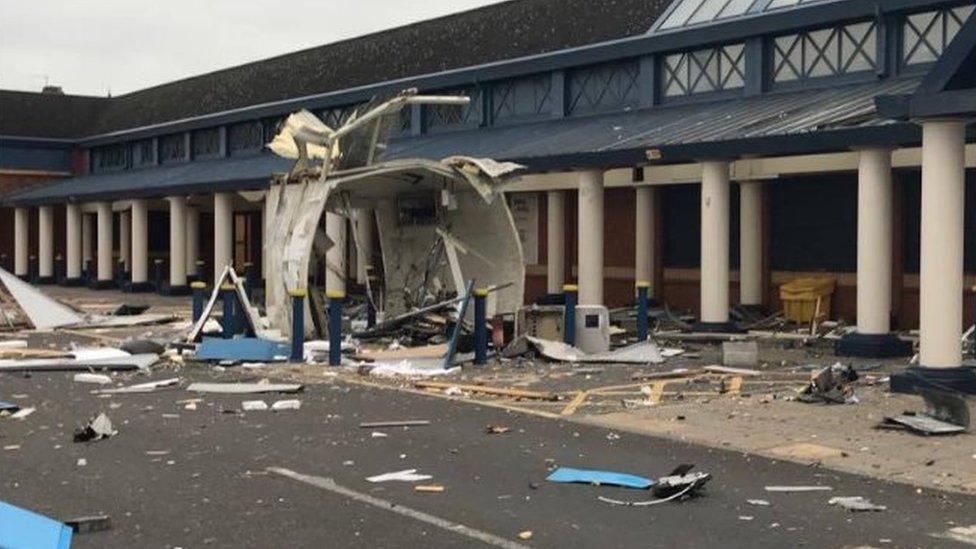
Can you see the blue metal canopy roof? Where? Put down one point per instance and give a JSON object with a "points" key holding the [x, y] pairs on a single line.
{"points": [[805, 121]]}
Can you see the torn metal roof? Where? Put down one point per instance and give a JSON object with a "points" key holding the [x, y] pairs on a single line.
{"points": [[796, 113]]}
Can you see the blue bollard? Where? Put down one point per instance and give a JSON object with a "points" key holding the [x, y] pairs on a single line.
{"points": [[120, 273], [158, 275], [227, 319], [336, 298], [199, 299], [480, 327], [201, 267], [571, 294], [32, 269], [59, 269], [643, 304], [88, 271], [298, 324]]}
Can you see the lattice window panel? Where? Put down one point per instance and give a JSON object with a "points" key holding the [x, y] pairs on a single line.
{"points": [[271, 127], [825, 52], [701, 71], [926, 35], [144, 153], [335, 117], [110, 158], [206, 143], [245, 136], [439, 116], [522, 97], [172, 148], [604, 87]]}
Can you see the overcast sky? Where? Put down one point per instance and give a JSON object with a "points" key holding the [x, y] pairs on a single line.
{"points": [[92, 46]]}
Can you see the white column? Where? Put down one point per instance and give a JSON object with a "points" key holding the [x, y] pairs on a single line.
{"points": [[874, 211], [590, 236], [125, 239], [365, 228], [192, 239], [87, 240], [140, 242], [45, 242], [223, 232], [750, 243], [104, 210], [943, 203], [21, 239], [715, 242], [335, 258], [644, 229], [177, 241], [72, 222], [555, 242]]}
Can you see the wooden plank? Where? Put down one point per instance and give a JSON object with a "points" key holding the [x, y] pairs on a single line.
{"points": [[494, 391], [577, 401]]}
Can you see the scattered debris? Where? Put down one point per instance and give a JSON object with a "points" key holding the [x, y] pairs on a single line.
{"points": [[856, 504], [417, 367], [244, 388], [97, 429], [599, 478], [125, 363], [758, 502], [386, 424], [283, 405], [731, 371], [646, 352], [23, 413], [142, 347], [922, 424], [681, 483], [89, 525], [497, 429], [254, 405], [429, 488], [98, 379], [408, 475], [148, 387], [241, 350], [831, 385], [788, 489], [82, 462], [526, 535], [494, 391]]}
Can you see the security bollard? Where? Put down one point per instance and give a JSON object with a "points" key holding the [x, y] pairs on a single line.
{"points": [[59, 269], [643, 304], [227, 319], [120, 273], [199, 299], [158, 275], [32, 269], [480, 326], [248, 280], [335, 326], [571, 294], [370, 314], [298, 324], [201, 267], [89, 271]]}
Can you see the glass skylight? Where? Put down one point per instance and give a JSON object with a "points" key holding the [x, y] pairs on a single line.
{"points": [[686, 13]]}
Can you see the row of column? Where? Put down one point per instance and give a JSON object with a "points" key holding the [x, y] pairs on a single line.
{"points": [[81, 247]]}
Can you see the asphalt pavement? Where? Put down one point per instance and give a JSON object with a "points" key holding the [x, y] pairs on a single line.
{"points": [[219, 477]]}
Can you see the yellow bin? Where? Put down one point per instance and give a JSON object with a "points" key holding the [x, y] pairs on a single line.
{"points": [[805, 298]]}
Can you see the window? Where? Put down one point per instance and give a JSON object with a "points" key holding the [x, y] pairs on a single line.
{"points": [[925, 36], [709, 70], [522, 98], [206, 143], [609, 86], [245, 137], [172, 148], [144, 153], [825, 52], [110, 158], [444, 116], [687, 13]]}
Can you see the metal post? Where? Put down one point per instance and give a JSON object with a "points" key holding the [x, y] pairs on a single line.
{"points": [[248, 282], [480, 327], [643, 304], [571, 295], [88, 271], [227, 319], [120, 273], [32, 269], [298, 324], [336, 298], [158, 275], [201, 269], [58, 269], [199, 299]]}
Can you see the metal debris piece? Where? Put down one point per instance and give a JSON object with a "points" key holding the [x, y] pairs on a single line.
{"points": [[497, 429], [88, 525], [283, 405], [831, 385], [97, 429], [408, 475], [254, 405], [646, 352], [134, 362], [148, 387], [99, 379], [244, 388], [403, 423], [790, 489], [922, 424], [42, 311], [566, 475], [856, 504]]}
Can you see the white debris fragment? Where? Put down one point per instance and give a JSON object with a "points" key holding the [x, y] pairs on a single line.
{"points": [[23, 413], [82, 462], [856, 504], [798, 488], [408, 475], [99, 379], [758, 502], [286, 405], [378, 434], [254, 405]]}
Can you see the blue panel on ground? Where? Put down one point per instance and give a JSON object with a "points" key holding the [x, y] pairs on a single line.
{"points": [[605, 478], [22, 529], [243, 350], [8, 407]]}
